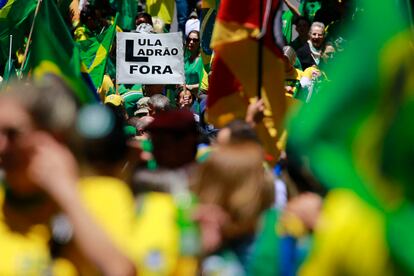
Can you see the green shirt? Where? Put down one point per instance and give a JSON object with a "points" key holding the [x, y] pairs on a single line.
{"points": [[287, 18], [193, 69]]}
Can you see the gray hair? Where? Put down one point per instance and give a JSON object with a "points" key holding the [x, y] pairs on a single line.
{"points": [[159, 102], [319, 25]]}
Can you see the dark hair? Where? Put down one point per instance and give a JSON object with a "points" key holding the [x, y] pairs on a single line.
{"points": [[146, 16], [301, 18], [180, 90], [193, 32]]}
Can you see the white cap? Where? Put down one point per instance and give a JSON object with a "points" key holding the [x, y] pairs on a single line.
{"points": [[191, 25]]}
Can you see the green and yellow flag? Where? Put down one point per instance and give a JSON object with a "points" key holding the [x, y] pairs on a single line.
{"points": [[95, 51], [16, 17], [356, 131], [55, 52]]}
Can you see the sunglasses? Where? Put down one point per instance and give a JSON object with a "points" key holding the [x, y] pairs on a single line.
{"points": [[193, 39]]}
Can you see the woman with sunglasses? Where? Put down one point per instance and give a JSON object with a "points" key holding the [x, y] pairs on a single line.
{"points": [[193, 64]]}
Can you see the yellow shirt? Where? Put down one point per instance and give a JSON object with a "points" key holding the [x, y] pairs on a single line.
{"points": [[28, 252], [349, 239], [155, 239], [111, 203], [23, 252]]}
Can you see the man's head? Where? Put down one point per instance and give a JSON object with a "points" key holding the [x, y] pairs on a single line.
{"points": [[174, 137], [158, 103], [317, 34], [24, 111]]}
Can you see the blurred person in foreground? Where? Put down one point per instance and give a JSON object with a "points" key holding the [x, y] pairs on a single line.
{"points": [[164, 228], [41, 178], [234, 189]]}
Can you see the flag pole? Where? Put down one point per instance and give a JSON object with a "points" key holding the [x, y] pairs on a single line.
{"points": [[260, 53], [30, 35], [10, 52]]}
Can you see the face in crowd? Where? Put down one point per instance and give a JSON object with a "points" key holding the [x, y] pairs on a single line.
{"points": [[193, 41], [185, 99], [15, 147], [317, 36]]}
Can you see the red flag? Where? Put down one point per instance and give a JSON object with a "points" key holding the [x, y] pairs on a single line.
{"points": [[235, 67]]}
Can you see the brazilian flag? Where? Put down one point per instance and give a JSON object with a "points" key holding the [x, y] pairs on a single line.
{"points": [[55, 52], [95, 51], [16, 17], [357, 131], [208, 18]]}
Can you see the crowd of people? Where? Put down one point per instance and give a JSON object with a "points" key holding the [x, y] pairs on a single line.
{"points": [[141, 183]]}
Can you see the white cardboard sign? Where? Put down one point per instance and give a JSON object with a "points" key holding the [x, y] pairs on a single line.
{"points": [[149, 58]]}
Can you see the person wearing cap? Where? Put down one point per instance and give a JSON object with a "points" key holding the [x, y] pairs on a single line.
{"points": [[192, 24], [116, 103]]}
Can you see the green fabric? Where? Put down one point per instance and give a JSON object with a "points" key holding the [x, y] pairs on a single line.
{"points": [[54, 51], [9, 73], [355, 131], [124, 88], [127, 11], [94, 53], [297, 64], [308, 8], [130, 131], [287, 18], [111, 68], [130, 101], [63, 6], [265, 256], [16, 17], [193, 69], [146, 146]]}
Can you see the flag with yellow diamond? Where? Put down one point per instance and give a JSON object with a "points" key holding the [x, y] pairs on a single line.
{"points": [[95, 51], [54, 52]]}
